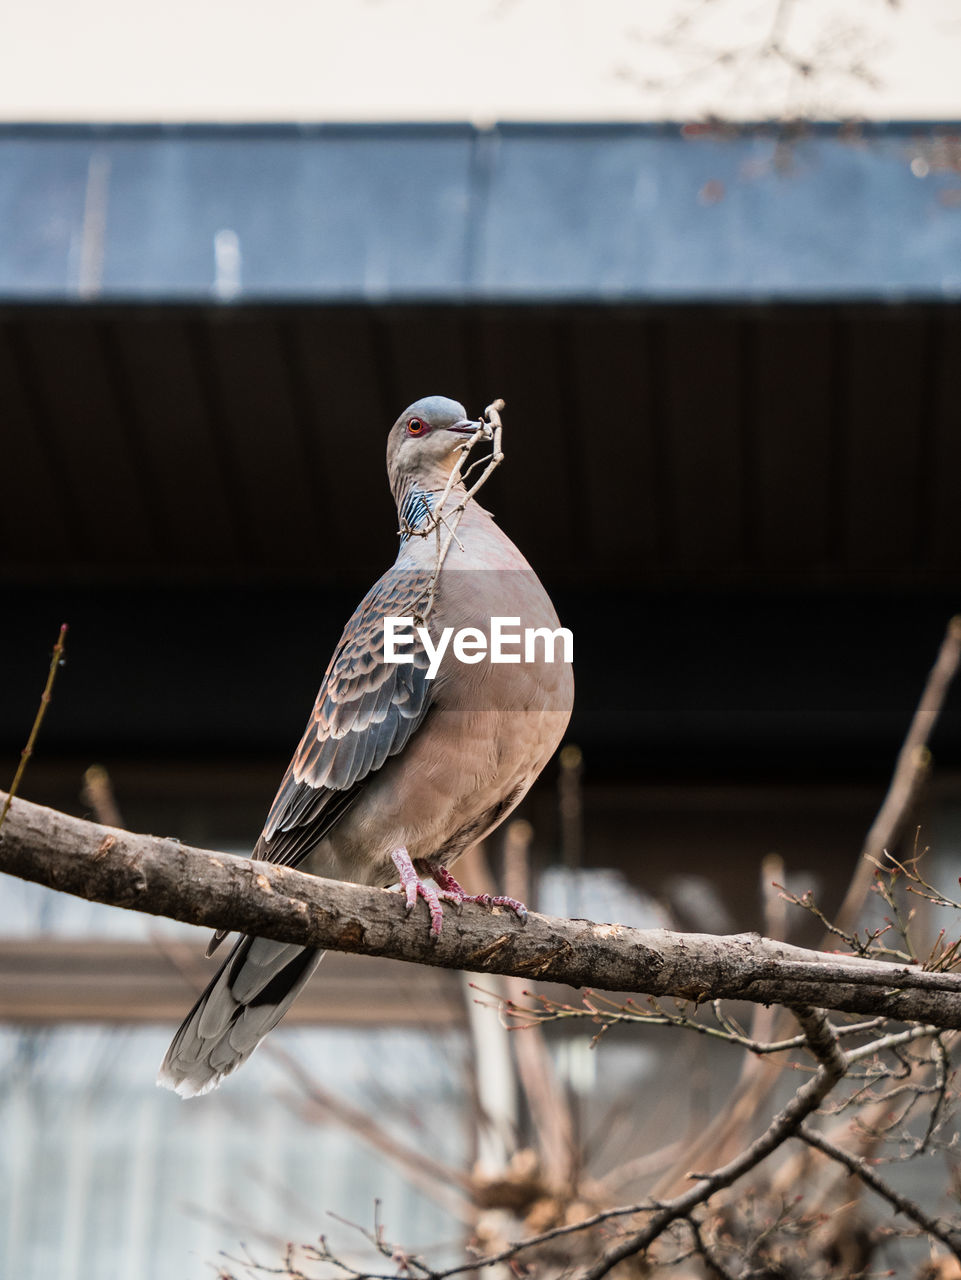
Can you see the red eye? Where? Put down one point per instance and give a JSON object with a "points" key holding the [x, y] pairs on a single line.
{"points": [[416, 427]]}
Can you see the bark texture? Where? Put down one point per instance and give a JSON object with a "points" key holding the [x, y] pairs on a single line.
{"points": [[162, 877]]}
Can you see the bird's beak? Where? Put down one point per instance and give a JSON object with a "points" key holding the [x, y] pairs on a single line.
{"points": [[467, 428]]}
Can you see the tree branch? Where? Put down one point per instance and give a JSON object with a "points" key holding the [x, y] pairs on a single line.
{"points": [[823, 1043], [912, 766], [859, 1167], [162, 877]]}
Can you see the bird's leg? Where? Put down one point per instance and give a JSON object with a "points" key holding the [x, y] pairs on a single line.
{"points": [[451, 891], [415, 888]]}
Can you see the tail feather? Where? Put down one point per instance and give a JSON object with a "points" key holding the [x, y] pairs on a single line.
{"points": [[246, 998]]}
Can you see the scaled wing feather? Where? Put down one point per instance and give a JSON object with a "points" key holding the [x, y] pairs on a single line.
{"points": [[365, 712]]}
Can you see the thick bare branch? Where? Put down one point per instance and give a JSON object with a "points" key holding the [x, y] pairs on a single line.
{"points": [[216, 890]]}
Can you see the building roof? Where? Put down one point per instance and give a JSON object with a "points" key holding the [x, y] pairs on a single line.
{"points": [[454, 213]]}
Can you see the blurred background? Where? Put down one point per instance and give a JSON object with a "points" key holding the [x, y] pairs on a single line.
{"points": [[710, 256]]}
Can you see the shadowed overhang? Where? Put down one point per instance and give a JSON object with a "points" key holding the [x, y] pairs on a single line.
{"points": [[732, 367]]}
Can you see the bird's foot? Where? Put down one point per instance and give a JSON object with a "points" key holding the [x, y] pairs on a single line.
{"points": [[413, 888], [451, 891]]}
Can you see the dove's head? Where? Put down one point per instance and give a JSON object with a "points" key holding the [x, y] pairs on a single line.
{"points": [[426, 441]]}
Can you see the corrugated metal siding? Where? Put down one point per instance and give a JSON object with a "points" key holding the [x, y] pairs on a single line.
{"points": [[775, 491], [103, 1176], [106, 1177]]}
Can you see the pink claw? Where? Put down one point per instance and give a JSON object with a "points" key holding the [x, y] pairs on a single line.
{"points": [[451, 891], [415, 888]]}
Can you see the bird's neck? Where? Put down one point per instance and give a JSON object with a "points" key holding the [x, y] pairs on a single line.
{"points": [[417, 502]]}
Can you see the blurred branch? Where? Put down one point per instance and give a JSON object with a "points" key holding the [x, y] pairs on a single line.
{"points": [[216, 890], [571, 761], [98, 793], [910, 770], [550, 1112], [808, 62], [444, 1184]]}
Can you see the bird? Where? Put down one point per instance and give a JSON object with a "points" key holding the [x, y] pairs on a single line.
{"points": [[398, 774]]}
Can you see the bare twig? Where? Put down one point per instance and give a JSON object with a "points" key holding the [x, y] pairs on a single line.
{"points": [[447, 521], [810, 64], [710, 1255], [792, 1121], [56, 660], [611, 1012], [892, 1041]]}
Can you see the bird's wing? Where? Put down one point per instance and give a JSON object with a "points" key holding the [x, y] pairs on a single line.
{"points": [[366, 711]]}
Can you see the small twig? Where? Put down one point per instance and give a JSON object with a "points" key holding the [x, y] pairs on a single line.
{"points": [[728, 1032], [709, 1254], [891, 1042], [377, 1239], [449, 520], [941, 1069], [56, 658], [806, 903]]}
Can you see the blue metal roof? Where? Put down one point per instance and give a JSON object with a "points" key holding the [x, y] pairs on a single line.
{"points": [[449, 212]]}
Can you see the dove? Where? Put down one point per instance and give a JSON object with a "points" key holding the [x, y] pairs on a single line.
{"points": [[405, 763]]}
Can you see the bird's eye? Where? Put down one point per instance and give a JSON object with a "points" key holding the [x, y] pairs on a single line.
{"points": [[416, 427]]}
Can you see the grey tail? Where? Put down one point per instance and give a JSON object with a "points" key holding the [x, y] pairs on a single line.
{"points": [[247, 997]]}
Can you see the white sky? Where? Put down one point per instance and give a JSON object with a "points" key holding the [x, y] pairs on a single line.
{"points": [[478, 60]]}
